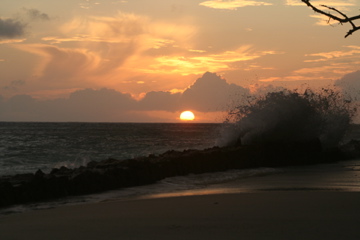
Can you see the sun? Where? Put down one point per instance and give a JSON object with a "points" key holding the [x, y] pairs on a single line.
{"points": [[187, 116]]}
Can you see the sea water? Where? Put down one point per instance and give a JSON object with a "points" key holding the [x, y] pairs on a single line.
{"points": [[26, 147]]}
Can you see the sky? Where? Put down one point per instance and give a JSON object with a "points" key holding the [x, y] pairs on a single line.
{"points": [[149, 60]]}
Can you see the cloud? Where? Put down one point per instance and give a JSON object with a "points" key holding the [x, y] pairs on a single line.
{"points": [[234, 4], [87, 4], [109, 48], [11, 28], [125, 28], [109, 51], [83, 105], [208, 94], [199, 62], [160, 101], [211, 93], [326, 56], [121, 50], [35, 14], [325, 73], [12, 41], [15, 28], [61, 64], [102, 101], [323, 66], [14, 85]]}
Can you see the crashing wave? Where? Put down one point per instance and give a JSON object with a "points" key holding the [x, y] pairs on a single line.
{"points": [[290, 116]]}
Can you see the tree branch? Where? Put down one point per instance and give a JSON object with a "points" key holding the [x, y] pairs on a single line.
{"points": [[343, 19]]}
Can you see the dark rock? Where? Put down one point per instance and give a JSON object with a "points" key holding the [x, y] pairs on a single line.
{"points": [[39, 174], [112, 174], [92, 164]]}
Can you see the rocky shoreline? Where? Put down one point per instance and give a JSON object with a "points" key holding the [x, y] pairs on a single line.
{"points": [[114, 174]]}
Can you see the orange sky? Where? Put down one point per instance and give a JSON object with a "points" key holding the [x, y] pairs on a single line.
{"points": [[49, 51]]}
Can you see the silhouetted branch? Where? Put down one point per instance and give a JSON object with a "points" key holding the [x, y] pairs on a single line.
{"points": [[343, 19]]}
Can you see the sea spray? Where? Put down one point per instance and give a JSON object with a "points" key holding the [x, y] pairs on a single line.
{"points": [[289, 116]]}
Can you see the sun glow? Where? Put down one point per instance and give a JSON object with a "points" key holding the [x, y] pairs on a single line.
{"points": [[187, 116]]}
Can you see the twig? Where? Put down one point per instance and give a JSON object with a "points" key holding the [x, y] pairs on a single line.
{"points": [[344, 19]]}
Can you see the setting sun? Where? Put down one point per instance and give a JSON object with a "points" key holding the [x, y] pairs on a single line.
{"points": [[187, 116]]}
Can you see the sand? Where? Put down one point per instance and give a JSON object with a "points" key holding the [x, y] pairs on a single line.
{"points": [[262, 215]]}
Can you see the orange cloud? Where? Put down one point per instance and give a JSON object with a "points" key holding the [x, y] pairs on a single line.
{"points": [[326, 66], [12, 41], [295, 78], [124, 37], [325, 56], [231, 5], [328, 72], [206, 62], [107, 51], [125, 28], [62, 64], [119, 52], [121, 28], [330, 65]]}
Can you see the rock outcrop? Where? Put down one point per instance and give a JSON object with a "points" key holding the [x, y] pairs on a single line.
{"points": [[114, 174]]}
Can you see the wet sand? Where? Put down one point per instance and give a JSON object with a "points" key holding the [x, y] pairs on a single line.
{"points": [[262, 215]]}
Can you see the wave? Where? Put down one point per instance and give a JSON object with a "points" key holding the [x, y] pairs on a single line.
{"points": [[290, 116]]}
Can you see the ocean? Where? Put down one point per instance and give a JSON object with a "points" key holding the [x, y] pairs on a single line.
{"points": [[27, 147]]}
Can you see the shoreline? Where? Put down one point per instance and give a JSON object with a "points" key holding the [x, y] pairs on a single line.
{"points": [[113, 174], [285, 205], [261, 215], [339, 177]]}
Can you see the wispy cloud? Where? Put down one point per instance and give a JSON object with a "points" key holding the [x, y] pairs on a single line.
{"points": [[328, 72], [326, 56], [123, 28], [110, 50], [35, 14], [14, 85], [125, 36], [61, 64], [12, 41], [191, 64], [87, 4], [234, 4], [323, 66], [294, 78]]}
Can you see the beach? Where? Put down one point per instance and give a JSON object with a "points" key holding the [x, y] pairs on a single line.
{"points": [[265, 215], [310, 202]]}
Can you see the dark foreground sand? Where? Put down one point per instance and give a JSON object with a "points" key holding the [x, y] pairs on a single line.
{"points": [[264, 215]]}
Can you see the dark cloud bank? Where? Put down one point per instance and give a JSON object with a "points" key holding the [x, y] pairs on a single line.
{"points": [[210, 93], [11, 28], [15, 27]]}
